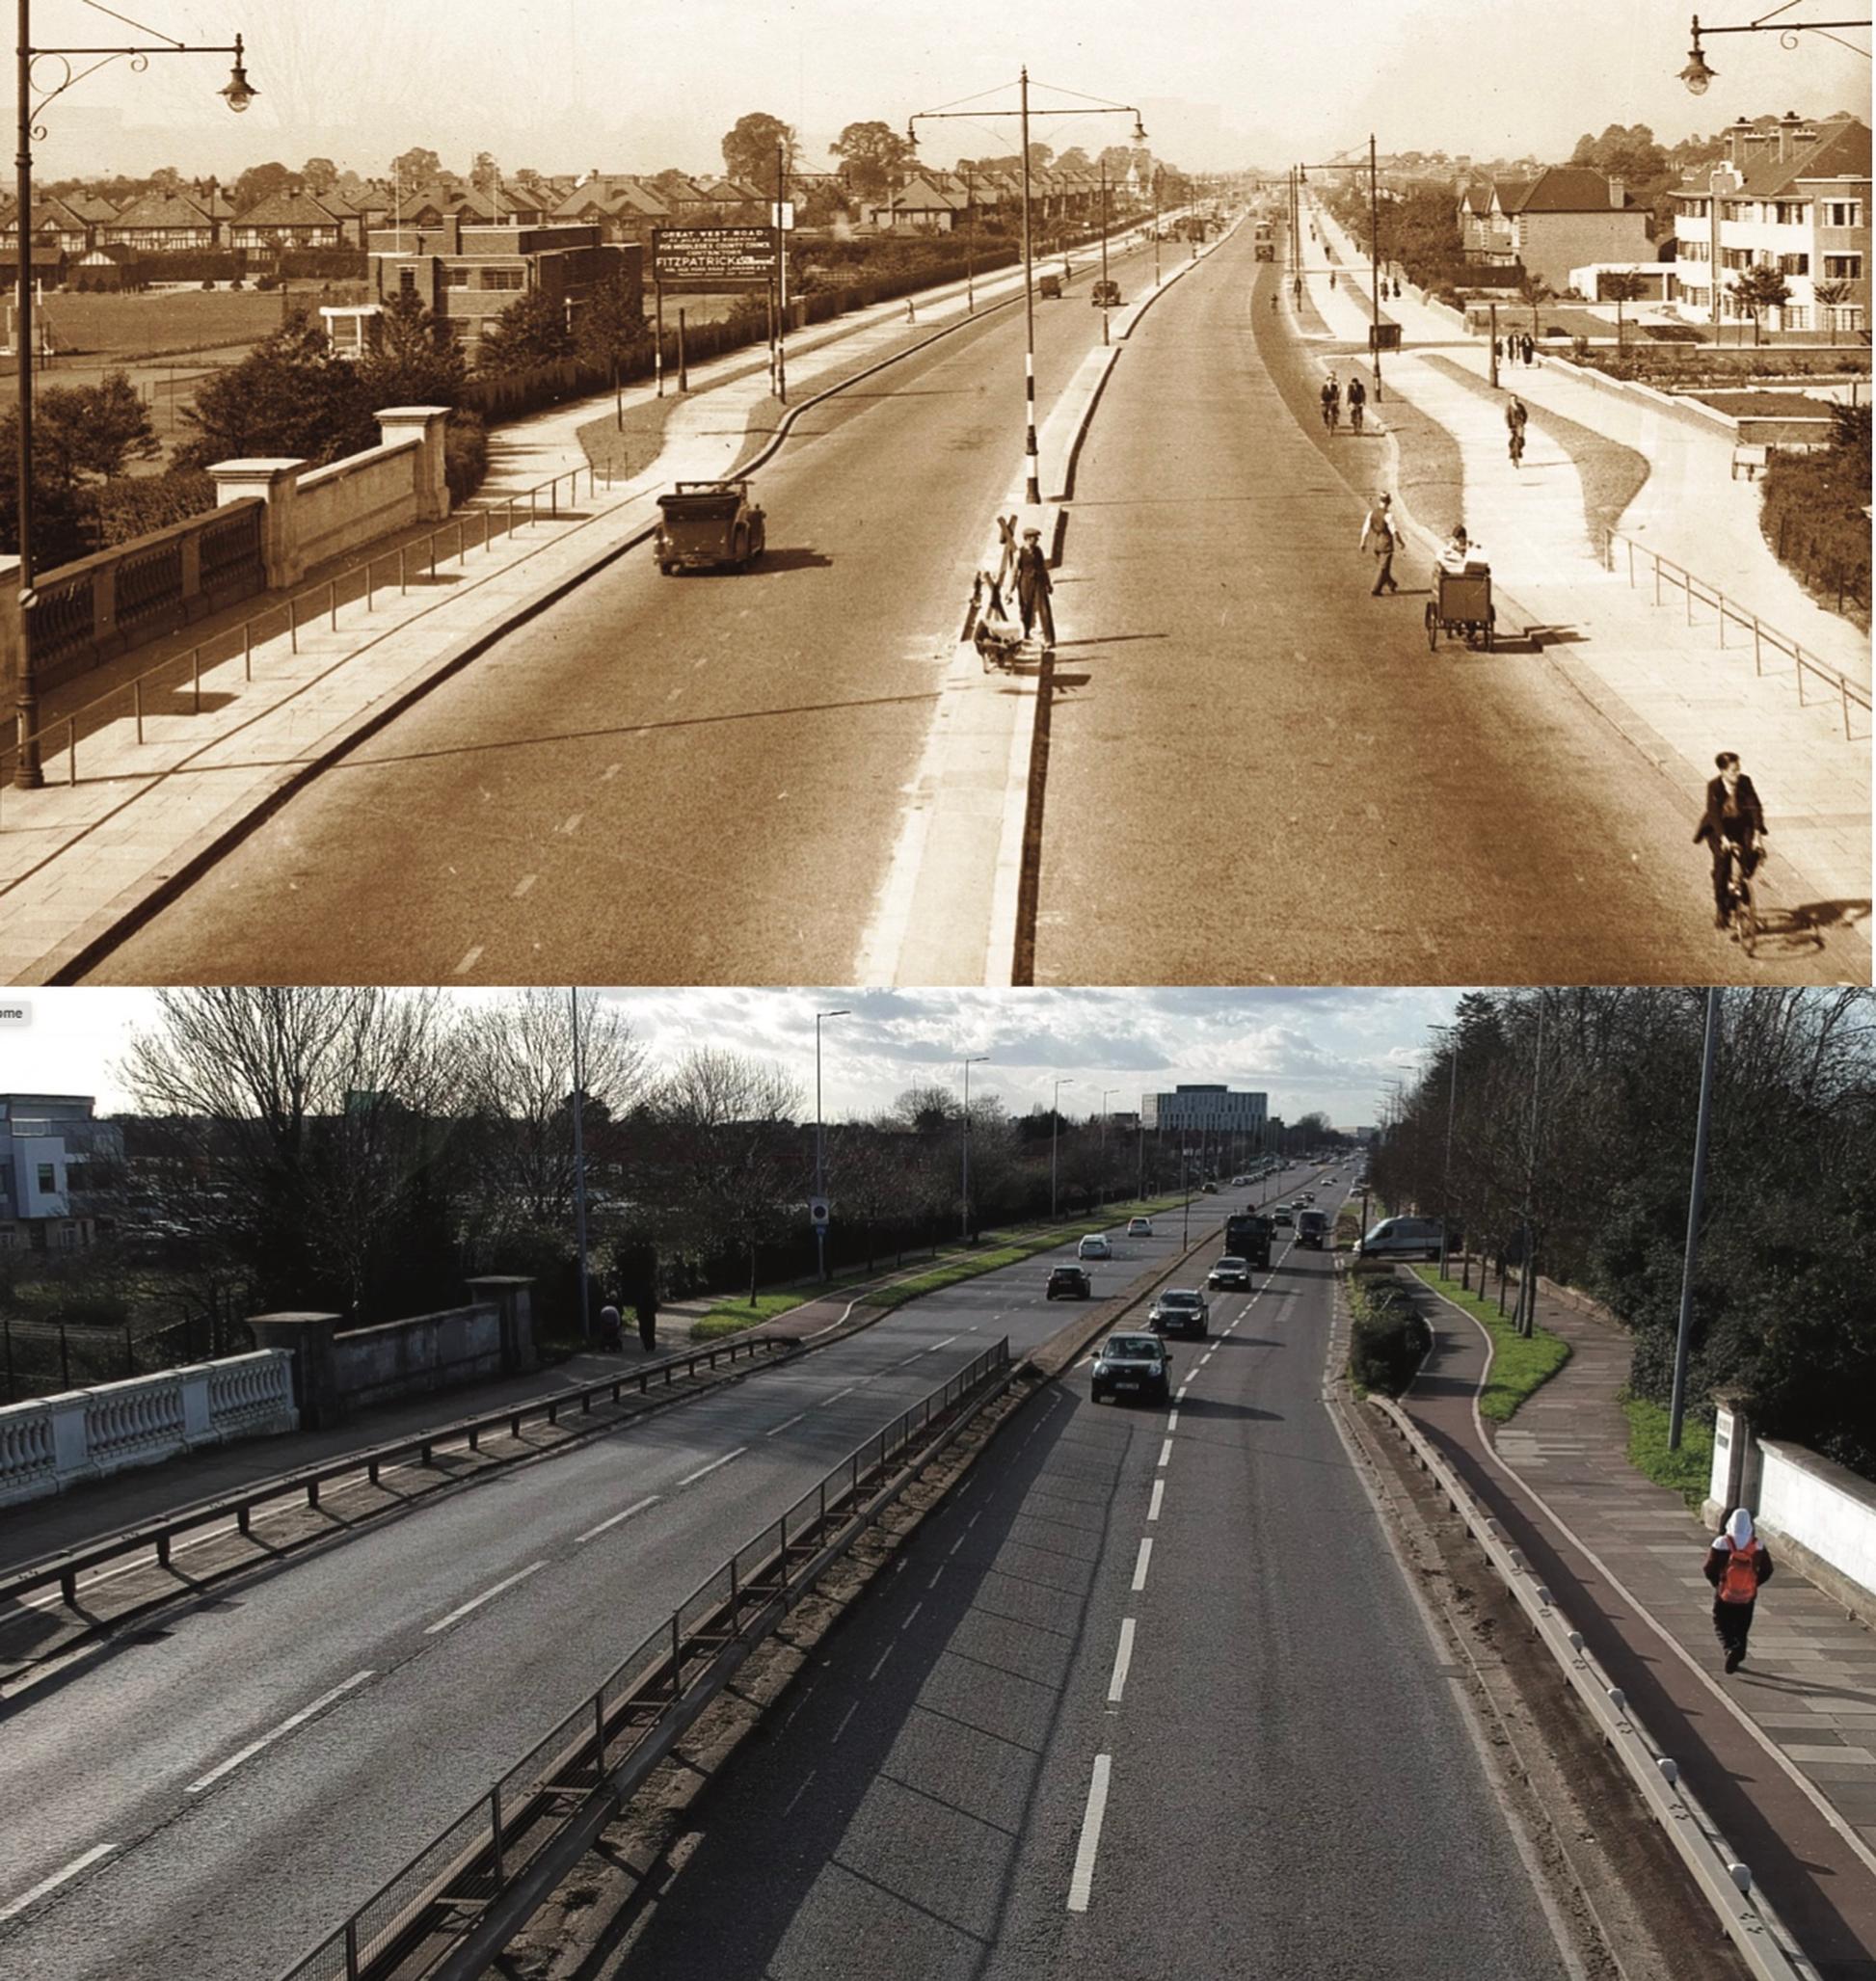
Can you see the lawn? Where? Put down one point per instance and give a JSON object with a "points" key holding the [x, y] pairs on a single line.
{"points": [[159, 322], [1689, 1471], [1519, 1366]]}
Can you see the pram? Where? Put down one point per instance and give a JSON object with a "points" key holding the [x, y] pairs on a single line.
{"points": [[998, 637]]}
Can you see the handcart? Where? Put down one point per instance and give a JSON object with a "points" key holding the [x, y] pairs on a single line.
{"points": [[1460, 605]]}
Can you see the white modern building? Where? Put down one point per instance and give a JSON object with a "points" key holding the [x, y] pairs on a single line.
{"points": [[1207, 1109], [1792, 195], [49, 1144]]}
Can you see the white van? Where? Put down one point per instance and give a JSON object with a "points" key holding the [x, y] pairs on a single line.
{"points": [[1402, 1238]]}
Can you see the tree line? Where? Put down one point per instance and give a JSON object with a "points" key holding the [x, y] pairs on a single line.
{"points": [[1574, 1110]]}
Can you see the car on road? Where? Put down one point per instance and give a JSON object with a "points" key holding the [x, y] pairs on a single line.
{"points": [[1106, 295], [1068, 1283], [1133, 1365], [1312, 1228], [1229, 1272], [1180, 1310], [1139, 1227], [708, 524], [1049, 286], [1094, 1247], [1282, 1216], [1209, 1189], [1403, 1238]]}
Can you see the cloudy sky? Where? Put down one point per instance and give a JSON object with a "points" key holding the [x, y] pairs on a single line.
{"points": [[561, 85], [1327, 1050]]}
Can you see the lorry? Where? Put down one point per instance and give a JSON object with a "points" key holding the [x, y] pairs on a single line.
{"points": [[1247, 1236]]}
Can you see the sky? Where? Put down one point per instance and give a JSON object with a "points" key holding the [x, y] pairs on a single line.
{"points": [[1326, 1050], [563, 85]]}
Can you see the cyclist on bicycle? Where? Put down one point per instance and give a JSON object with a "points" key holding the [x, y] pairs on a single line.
{"points": [[1331, 401], [1357, 402], [1732, 826]]}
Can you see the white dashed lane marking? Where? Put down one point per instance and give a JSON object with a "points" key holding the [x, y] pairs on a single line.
{"points": [[1140, 1567], [475, 1602], [1081, 1885], [285, 1726], [1159, 1493], [638, 1507], [704, 1472], [1123, 1658], [18, 1905]]}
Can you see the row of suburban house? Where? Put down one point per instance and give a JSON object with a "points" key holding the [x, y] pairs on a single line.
{"points": [[1790, 194]]}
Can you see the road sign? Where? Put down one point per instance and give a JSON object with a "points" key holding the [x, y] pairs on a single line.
{"points": [[781, 213], [714, 256], [817, 1210]]}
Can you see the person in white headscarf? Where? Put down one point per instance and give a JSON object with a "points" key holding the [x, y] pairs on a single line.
{"points": [[1736, 1564]]}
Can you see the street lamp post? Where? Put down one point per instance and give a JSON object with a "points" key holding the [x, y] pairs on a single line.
{"points": [[965, 1177], [1104, 1092], [1055, 1139], [1032, 463], [1698, 76], [1696, 1197], [820, 1160], [239, 92], [1303, 172], [1104, 247], [579, 1166]]}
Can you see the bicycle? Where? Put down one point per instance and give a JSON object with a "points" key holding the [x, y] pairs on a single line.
{"points": [[1332, 412], [1516, 447], [1742, 914], [1356, 412]]}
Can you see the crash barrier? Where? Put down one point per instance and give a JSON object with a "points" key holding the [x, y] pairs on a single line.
{"points": [[174, 687], [448, 1912], [90, 1433], [1763, 1940], [1829, 682], [156, 1538]]}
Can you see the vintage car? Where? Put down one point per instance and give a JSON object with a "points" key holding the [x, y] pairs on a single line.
{"points": [[1048, 285], [1105, 295], [706, 524]]}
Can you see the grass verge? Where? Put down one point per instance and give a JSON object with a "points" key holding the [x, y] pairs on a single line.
{"points": [[1520, 1365], [1689, 1471]]}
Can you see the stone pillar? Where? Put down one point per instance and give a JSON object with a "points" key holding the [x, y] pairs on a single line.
{"points": [[308, 1339], [1735, 1479], [277, 483], [424, 423], [11, 633], [512, 1299], [72, 1444], [198, 1409]]}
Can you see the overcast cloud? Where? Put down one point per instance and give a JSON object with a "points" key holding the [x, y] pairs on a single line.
{"points": [[561, 85], [1327, 1050]]}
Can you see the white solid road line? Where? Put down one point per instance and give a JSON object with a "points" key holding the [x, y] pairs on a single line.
{"points": [[1123, 1658], [1159, 1493], [57, 1879], [285, 1726], [1082, 1883], [475, 1602], [1140, 1567], [787, 1424], [705, 1472], [614, 1520]]}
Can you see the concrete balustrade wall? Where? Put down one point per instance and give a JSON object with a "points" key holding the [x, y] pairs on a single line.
{"points": [[89, 1434]]}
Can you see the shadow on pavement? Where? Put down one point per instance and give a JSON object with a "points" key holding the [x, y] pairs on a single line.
{"points": [[800, 558]]}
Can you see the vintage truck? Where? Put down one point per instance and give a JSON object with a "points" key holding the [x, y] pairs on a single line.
{"points": [[1247, 1236], [706, 524]]}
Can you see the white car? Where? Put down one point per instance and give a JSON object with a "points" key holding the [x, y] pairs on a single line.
{"points": [[1094, 1247], [1281, 1219], [1139, 1227]]}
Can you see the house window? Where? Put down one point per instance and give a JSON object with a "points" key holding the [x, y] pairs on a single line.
{"points": [[1695, 251], [455, 278], [1796, 316], [1793, 213], [1844, 213], [407, 282], [1846, 317], [501, 278], [48, 1179], [1794, 264], [1736, 257], [1843, 268]]}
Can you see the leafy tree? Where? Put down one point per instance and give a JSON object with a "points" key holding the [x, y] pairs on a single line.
{"points": [[82, 436], [417, 362], [1757, 291], [257, 183], [417, 167], [289, 397], [1620, 285], [319, 175], [749, 148], [873, 156], [532, 331], [485, 175], [610, 324], [1074, 159]]}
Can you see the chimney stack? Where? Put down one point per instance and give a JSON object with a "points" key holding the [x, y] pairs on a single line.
{"points": [[1618, 193]]}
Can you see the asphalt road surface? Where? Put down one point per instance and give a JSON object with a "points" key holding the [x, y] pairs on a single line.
{"points": [[1149, 1696], [1349, 808], [695, 779], [213, 1794]]}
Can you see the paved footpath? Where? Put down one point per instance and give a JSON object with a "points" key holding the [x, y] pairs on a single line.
{"points": [[1666, 684], [1783, 1755]]}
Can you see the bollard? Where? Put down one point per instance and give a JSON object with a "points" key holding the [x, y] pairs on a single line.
{"points": [[293, 624], [247, 649], [367, 584], [533, 505], [433, 556], [554, 496], [138, 686], [72, 748], [331, 602], [194, 680]]}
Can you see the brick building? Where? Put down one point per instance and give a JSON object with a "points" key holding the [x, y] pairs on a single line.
{"points": [[1565, 217]]}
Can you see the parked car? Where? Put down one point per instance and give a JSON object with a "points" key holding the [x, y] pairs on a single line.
{"points": [[1139, 1227], [1403, 1238], [1094, 1247], [1133, 1365], [1180, 1310], [1068, 1283], [1312, 1228], [1229, 1272]]}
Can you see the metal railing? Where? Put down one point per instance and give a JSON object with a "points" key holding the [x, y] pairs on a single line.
{"points": [[472, 1884], [157, 1537], [174, 686], [1699, 591]]}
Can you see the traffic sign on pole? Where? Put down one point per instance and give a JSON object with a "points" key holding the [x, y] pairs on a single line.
{"points": [[817, 1210]]}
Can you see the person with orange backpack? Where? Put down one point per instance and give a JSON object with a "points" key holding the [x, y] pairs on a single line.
{"points": [[1736, 1565]]}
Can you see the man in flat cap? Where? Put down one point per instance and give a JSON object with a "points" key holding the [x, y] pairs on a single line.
{"points": [[1033, 587]]}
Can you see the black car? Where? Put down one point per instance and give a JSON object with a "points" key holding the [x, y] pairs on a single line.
{"points": [[1133, 1365], [1180, 1310], [1070, 1282]]}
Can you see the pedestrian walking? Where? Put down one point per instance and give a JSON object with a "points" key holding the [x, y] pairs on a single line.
{"points": [[1033, 587], [1736, 1565], [1516, 416], [1381, 538], [1497, 352], [1528, 348], [1731, 827]]}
